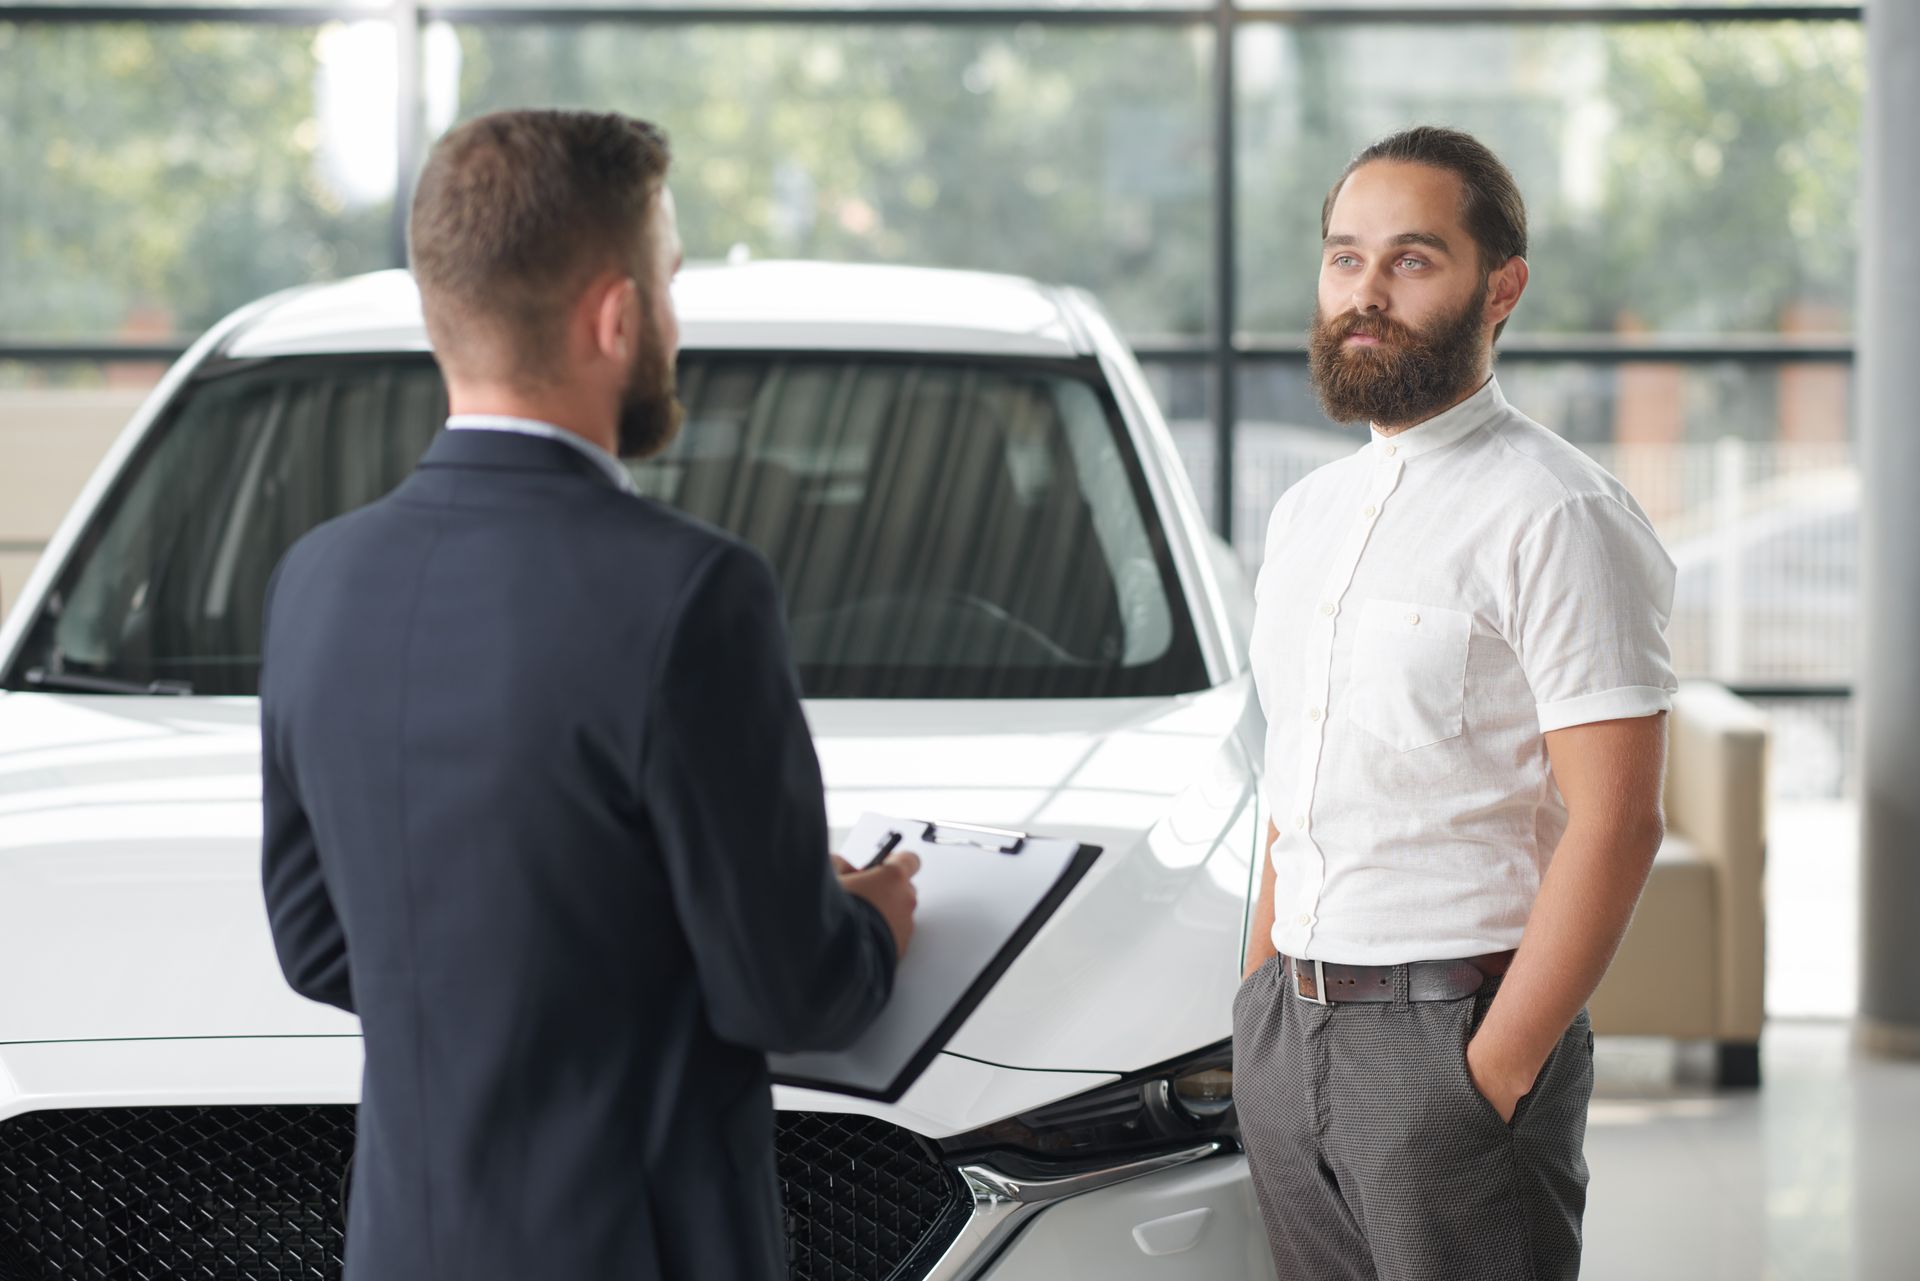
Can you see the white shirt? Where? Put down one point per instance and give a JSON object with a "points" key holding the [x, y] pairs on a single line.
{"points": [[1428, 609], [616, 472]]}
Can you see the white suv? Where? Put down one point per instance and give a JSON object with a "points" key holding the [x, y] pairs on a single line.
{"points": [[1005, 610]]}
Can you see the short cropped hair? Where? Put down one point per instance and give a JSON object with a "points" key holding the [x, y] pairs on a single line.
{"points": [[514, 214], [1492, 208]]}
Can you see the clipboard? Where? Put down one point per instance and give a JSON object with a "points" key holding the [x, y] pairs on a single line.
{"points": [[984, 893]]}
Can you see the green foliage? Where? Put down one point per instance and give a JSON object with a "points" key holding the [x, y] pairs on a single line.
{"points": [[159, 175], [1069, 154], [1735, 164], [1682, 177]]}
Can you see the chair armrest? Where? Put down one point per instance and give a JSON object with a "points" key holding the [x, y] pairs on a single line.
{"points": [[1716, 795]]}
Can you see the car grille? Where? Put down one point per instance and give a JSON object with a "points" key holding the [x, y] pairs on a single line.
{"points": [[131, 1193], [865, 1200], [249, 1193]]}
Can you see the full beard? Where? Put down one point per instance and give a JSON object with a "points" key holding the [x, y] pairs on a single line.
{"points": [[1407, 377], [650, 413]]}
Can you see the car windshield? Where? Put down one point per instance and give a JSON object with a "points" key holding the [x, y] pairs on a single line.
{"points": [[955, 527]]}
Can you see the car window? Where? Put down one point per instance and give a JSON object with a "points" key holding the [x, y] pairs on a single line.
{"points": [[939, 528]]}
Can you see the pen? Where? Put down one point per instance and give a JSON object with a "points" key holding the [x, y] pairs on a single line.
{"points": [[886, 848]]}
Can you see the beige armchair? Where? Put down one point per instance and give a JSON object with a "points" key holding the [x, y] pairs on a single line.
{"points": [[1693, 962]]}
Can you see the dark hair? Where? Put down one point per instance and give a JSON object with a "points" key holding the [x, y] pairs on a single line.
{"points": [[1492, 209], [514, 213]]}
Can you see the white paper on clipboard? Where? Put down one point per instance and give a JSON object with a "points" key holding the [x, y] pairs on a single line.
{"points": [[983, 894]]}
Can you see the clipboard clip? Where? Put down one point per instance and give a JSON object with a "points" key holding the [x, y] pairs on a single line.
{"points": [[995, 840]]}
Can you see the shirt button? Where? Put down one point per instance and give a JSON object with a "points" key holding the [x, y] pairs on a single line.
{"points": [[1326, 607], [1392, 450], [1413, 620], [1313, 713], [1299, 820], [1306, 918], [1370, 511]]}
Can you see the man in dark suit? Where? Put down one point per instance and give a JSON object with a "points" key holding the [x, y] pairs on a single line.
{"points": [[540, 804]]}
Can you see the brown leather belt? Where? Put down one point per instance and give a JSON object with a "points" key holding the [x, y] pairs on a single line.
{"points": [[1326, 984]]}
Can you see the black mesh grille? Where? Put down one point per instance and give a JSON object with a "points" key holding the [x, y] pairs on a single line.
{"points": [[217, 1193], [865, 1200], [246, 1193]]}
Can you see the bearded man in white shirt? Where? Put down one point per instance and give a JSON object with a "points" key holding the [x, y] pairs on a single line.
{"points": [[1459, 645]]}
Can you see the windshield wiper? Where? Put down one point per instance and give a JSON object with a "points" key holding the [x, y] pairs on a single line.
{"points": [[44, 679]]}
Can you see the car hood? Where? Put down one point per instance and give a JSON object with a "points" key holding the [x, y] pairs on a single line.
{"points": [[130, 903]]}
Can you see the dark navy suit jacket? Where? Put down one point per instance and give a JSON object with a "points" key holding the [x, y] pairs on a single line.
{"points": [[542, 810]]}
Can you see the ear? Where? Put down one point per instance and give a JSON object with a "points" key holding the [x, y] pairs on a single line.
{"points": [[1504, 287], [615, 308]]}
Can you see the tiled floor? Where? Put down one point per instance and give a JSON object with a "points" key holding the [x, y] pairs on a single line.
{"points": [[1815, 1177]]}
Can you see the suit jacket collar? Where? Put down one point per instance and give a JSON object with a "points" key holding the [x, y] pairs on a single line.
{"points": [[509, 451]]}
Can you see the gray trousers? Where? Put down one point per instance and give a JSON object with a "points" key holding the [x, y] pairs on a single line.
{"points": [[1374, 1157]]}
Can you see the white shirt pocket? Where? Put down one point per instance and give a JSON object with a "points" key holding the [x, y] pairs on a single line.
{"points": [[1409, 682]]}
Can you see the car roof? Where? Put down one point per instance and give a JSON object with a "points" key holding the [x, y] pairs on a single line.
{"points": [[757, 306]]}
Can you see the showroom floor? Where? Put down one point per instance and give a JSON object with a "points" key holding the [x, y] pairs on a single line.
{"points": [[1816, 1177]]}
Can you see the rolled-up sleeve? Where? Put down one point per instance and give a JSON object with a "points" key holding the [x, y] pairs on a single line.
{"points": [[1592, 590]]}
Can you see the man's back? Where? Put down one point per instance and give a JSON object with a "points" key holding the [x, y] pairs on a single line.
{"points": [[534, 759]]}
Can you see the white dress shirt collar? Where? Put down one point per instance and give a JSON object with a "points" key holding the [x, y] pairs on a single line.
{"points": [[615, 471], [1443, 429]]}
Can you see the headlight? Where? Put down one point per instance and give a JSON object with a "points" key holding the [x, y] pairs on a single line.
{"points": [[1185, 1102]]}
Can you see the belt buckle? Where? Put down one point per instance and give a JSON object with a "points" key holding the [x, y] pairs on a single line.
{"points": [[1319, 996]]}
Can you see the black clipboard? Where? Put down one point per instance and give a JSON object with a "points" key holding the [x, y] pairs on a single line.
{"points": [[956, 969]]}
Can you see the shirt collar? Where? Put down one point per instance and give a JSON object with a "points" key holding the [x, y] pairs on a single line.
{"points": [[615, 471], [1442, 429]]}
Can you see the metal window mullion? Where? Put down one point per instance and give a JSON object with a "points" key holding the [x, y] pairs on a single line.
{"points": [[258, 15], [1224, 267], [807, 14], [1590, 353], [1174, 354], [410, 104], [1319, 14], [1787, 691], [1557, 15]]}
